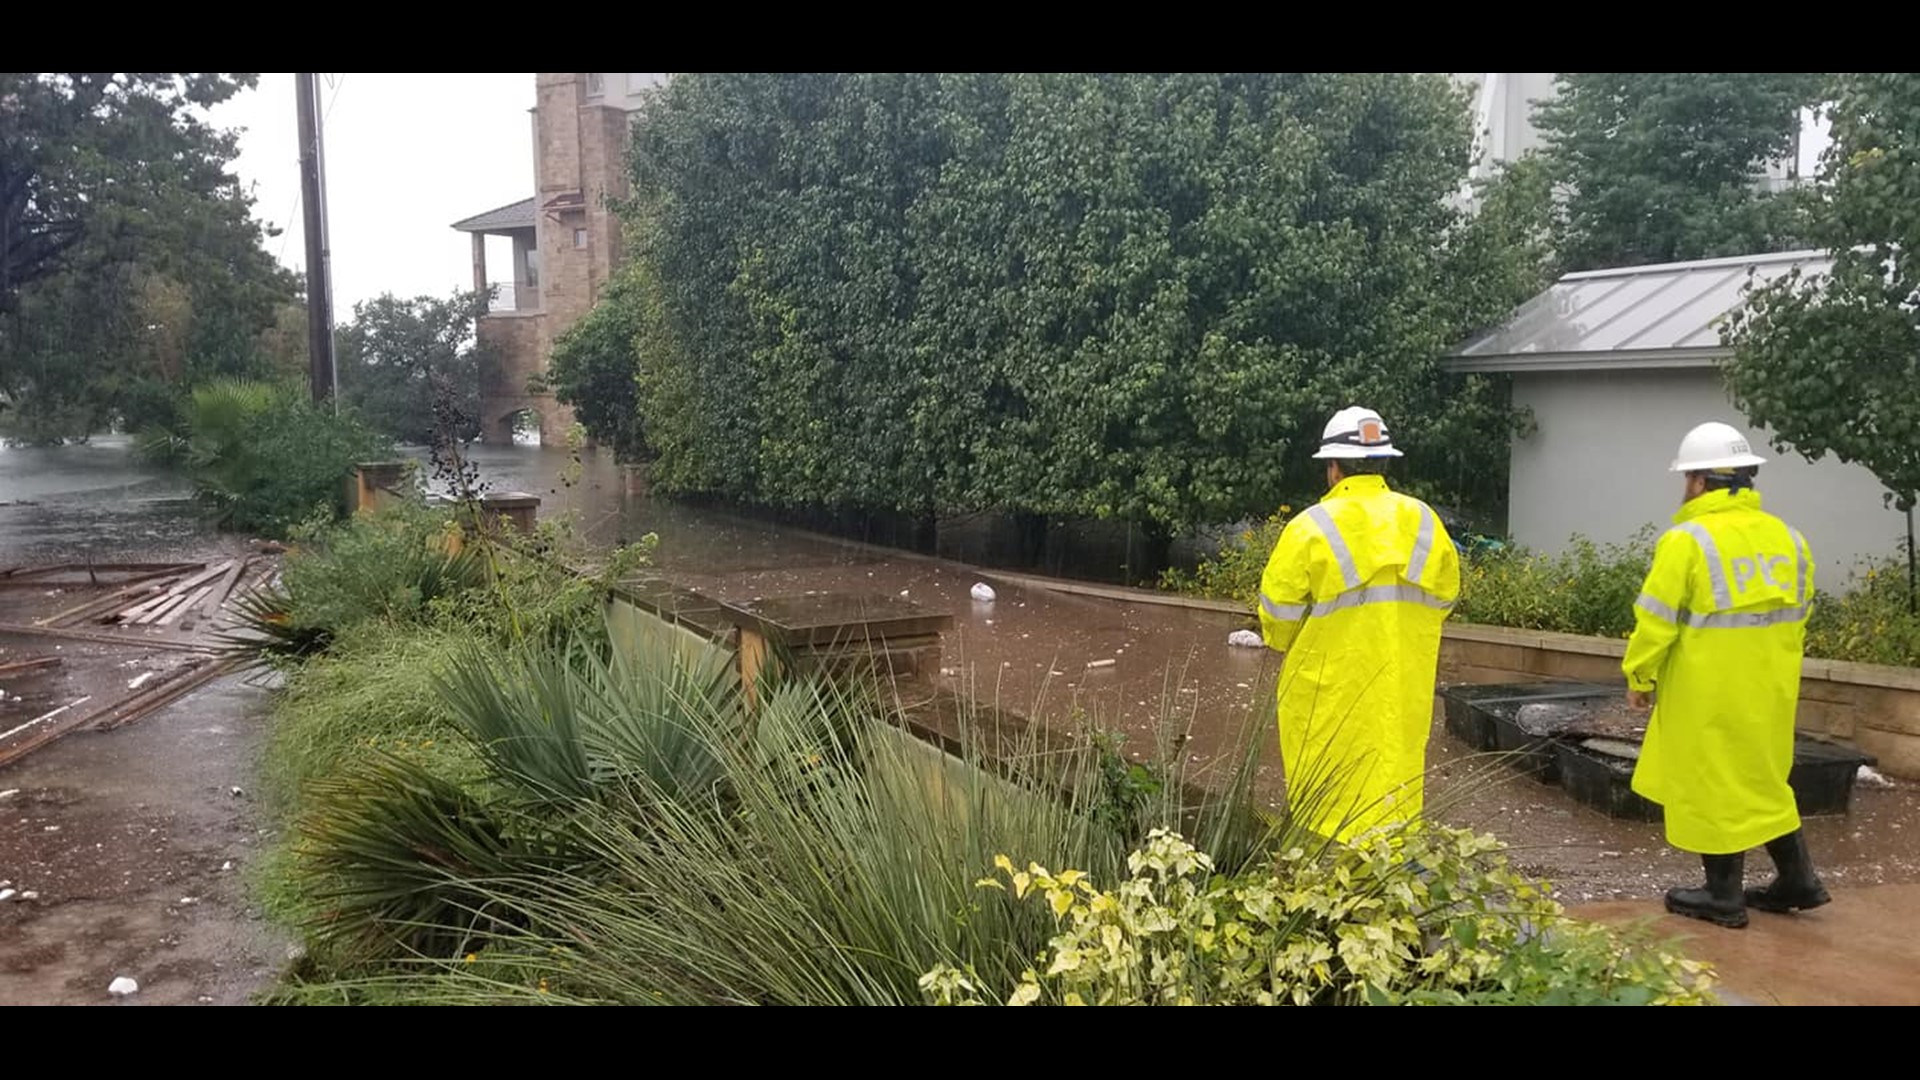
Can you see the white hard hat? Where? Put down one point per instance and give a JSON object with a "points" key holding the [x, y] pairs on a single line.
{"points": [[1355, 432], [1714, 445]]}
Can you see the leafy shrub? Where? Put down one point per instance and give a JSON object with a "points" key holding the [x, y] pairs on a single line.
{"points": [[411, 563], [640, 836], [1233, 573], [688, 850], [1335, 925], [1873, 624], [1588, 589], [262, 457], [392, 565]]}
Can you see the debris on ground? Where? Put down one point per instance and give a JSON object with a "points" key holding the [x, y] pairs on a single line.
{"points": [[1100, 663], [982, 592], [122, 986], [1868, 775], [1245, 639]]}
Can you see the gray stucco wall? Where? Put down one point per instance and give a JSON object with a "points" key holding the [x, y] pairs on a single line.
{"points": [[1597, 466]]}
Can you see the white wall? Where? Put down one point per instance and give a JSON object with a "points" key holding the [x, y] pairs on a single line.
{"points": [[1597, 466]]}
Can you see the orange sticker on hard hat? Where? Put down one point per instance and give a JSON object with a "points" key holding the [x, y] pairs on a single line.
{"points": [[1371, 432]]}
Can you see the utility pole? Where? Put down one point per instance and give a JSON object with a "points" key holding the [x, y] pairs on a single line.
{"points": [[321, 377]]}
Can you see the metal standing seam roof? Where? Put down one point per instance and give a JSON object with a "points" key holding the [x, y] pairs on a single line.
{"points": [[514, 215], [1642, 316]]}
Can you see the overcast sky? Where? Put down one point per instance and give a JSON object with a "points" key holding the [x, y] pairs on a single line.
{"points": [[407, 155]]}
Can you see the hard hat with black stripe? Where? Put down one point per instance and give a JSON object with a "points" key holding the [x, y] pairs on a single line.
{"points": [[1356, 432]]}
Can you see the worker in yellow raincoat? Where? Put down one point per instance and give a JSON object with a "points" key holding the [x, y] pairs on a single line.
{"points": [[1354, 595], [1718, 630]]}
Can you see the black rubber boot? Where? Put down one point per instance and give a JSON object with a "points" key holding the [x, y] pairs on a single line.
{"points": [[1795, 887], [1722, 902]]}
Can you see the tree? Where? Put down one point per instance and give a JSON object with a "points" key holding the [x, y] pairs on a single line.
{"points": [[593, 368], [397, 356], [1662, 166], [1831, 362], [130, 263], [1101, 295]]}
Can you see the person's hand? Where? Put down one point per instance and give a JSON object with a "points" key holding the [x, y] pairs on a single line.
{"points": [[1641, 700]]}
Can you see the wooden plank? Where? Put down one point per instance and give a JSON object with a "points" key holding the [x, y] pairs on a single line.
{"points": [[39, 731], [99, 605], [192, 601], [18, 666], [133, 613], [127, 641], [50, 568], [218, 598], [162, 695], [202, 578], [167, 602]]}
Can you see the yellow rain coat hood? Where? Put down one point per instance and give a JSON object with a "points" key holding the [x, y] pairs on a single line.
{"points": [[1718, 632], [1354, 595]]}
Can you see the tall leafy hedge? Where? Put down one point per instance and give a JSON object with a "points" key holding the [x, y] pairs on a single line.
{"points": [[1131, 295]]}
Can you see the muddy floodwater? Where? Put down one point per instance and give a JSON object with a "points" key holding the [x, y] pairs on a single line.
{"points": [[136, 843], [1162, 674]]}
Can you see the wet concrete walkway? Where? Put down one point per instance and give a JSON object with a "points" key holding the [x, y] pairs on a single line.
{"points": [[1862, 949]]}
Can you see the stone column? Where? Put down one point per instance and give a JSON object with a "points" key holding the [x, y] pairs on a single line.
{"points": [[377, 483], [514, 508], [480, 263]]}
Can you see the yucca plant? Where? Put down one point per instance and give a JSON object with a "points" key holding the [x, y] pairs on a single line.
{"points": [[802, 850]]}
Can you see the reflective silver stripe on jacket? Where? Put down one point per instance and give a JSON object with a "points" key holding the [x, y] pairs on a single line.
{"points": [[1380, 594], [1746, 620], [1283, 612], [1422, 544], [1716, 574], [1721, 620], [1656, 607], [1800, 552], [1331, 533]]}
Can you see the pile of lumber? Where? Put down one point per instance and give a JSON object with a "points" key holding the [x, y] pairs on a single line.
{"points": [[173, 593], [150, 692]]}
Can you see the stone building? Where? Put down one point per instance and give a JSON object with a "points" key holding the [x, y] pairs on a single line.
{"points": [[565, 241]]}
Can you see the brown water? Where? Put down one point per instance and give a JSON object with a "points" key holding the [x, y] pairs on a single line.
{"points": [[1163, 675]]}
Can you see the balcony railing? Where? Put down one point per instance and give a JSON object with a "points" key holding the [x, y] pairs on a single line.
{"points": [[505, 297]]}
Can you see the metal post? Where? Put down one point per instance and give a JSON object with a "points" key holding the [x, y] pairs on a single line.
{"points": [[321, 378], [1913, 566]]}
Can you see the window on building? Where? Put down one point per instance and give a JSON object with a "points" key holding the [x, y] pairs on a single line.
{"points": [[533, 266], [580, 238], [595, 83]]}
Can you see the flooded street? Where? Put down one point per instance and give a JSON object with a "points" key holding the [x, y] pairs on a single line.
{"points": [[126, 852], [136, 843]]}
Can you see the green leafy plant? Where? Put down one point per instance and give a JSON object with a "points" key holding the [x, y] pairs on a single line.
{"points": [[1660, 166], [1829, 361], [262, 456], [1423, 914], [1871, 623], [1588, 589], [1233, 573], [1053, 293]]}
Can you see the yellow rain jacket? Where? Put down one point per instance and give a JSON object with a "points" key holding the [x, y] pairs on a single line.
{"points": [[1354, 595], [1718, 630]]}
